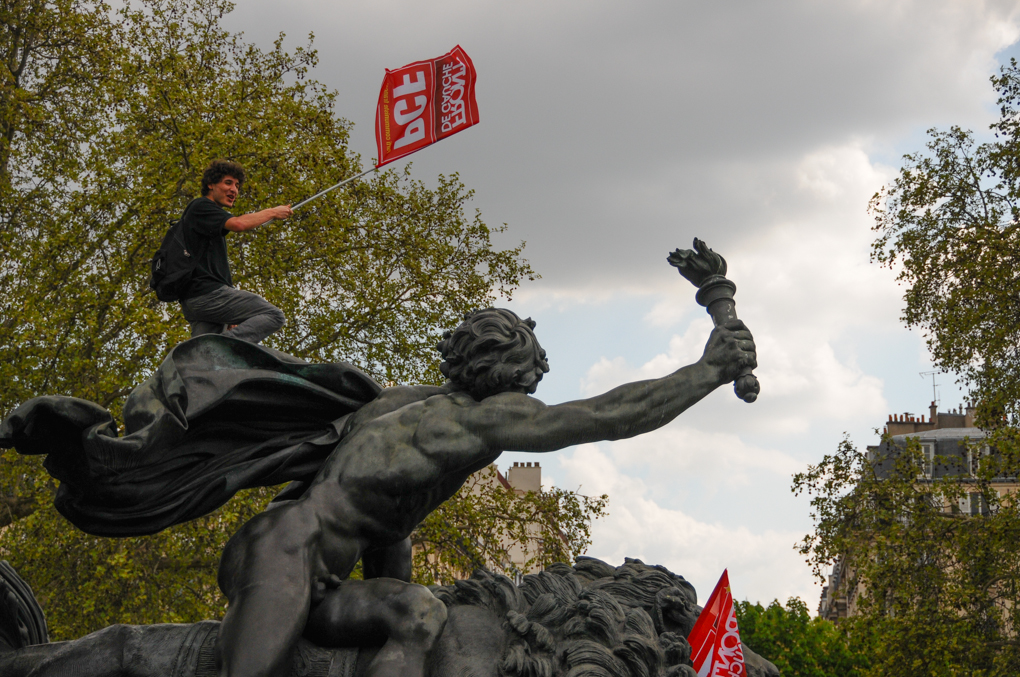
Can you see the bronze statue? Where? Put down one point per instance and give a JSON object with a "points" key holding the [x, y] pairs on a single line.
{"points": [[591, 618], [391, 457], [409, 450]]}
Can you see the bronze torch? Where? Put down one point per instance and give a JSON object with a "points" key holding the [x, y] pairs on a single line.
{"points": [[706, 270]]}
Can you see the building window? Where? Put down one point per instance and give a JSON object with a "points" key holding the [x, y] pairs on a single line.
{"points": [[974, 457], [973, 503], [965, 503], [927, 460], [978, 504]]}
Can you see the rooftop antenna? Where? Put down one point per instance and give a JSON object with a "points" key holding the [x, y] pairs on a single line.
{"points": [[934, 391]]}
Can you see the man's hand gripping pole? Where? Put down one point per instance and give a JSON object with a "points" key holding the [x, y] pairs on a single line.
{"points": [[706, 270]]}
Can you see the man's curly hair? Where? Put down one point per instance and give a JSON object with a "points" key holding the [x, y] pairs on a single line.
{"points": [[493, 351], [217, 169]]}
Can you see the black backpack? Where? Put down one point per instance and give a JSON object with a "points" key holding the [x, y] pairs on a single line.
{"points": [[174, 263]]}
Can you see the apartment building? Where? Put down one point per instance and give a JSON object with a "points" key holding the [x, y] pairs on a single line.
{"points": [[950, 448]]}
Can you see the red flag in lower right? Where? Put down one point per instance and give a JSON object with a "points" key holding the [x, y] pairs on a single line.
{"points": [[715, 639]]}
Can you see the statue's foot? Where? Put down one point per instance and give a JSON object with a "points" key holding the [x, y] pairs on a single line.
{"points": [[22, 622]]}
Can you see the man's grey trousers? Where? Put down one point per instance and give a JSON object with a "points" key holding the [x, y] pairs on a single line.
{"points": [[255, 317]]}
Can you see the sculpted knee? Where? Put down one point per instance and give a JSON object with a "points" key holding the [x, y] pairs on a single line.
{"points": [[268, 543]]}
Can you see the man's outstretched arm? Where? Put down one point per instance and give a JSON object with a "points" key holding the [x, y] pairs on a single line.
{"points": [[515, 422], [245, 222]]}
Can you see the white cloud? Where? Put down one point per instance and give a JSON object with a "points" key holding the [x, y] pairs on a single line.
{"points": [[715, 458], [683, 350], [802, 380], [763, 566], [612, 130]]}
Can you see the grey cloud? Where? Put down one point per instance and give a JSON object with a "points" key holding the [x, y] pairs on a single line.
{"points": [[611, 129]]}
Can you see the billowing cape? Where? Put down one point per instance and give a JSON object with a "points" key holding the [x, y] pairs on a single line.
{"points": [[219, 415]]}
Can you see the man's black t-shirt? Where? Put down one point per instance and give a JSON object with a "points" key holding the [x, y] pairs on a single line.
{"points": [[206, 235]]}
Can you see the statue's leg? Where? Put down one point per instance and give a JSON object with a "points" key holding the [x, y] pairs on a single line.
{"points": [[115, 651], [266, 574], [406, 619], [391, 562]]}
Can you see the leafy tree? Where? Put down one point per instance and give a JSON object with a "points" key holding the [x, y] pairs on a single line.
{"points": [[800, 646], [55, 55], [934, 590], [107, 119], [950, 224], [85, 583], [484, 523], [942, 587], [368, 277]]}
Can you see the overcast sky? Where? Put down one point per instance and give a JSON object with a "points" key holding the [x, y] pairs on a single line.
{"points": [[614, 132]]}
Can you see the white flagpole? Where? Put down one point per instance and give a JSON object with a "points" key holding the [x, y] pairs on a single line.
{"points": [[323, 192], [332, 188]]}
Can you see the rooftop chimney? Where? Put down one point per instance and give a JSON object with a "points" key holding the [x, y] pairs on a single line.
{"points": [[525, 477]]}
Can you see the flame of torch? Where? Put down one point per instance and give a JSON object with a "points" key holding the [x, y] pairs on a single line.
{"points": [[706, 270]]}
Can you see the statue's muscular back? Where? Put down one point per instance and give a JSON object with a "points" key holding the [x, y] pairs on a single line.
{"points": [[388, 472], [403, 455]]}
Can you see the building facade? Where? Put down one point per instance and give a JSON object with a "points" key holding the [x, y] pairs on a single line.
{"points": [[950, 448], [520, 479]]}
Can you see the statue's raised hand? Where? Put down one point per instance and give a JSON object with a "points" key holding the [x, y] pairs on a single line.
{"points": [[731, 351], [706, 270]]}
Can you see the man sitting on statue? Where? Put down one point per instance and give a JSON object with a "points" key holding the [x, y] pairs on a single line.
{"points": [[211, 304]]}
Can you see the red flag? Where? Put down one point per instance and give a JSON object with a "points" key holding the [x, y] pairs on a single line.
{"points": [[424, 102], [715, 640]]}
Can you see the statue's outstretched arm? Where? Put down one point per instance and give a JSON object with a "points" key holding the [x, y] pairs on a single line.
{"points": [[515, 422]]}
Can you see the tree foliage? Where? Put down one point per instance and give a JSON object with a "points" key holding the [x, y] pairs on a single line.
{"points": [[85, 583], [950, 224], [368, 277], [799, 645], [935, 590], [485, 525], [107, 119], [941, 587]]}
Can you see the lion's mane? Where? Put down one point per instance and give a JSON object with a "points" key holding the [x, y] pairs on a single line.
{"points": [[589, 619]]}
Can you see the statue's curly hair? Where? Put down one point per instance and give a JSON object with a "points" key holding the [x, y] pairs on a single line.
{"points": [[493, 351], [217, 169]]}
